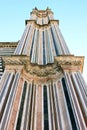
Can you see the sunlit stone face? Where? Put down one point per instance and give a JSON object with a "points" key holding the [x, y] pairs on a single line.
{"points": [[41, 86]]}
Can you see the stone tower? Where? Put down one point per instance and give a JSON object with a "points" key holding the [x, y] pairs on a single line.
{"points": [[41, 86]]}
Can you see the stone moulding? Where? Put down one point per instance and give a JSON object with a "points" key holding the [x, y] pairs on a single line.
{"points": [[43, 71], [40, 79], [41, 26], [60, 64], [15, 59], [8, 44], [70, 61]]}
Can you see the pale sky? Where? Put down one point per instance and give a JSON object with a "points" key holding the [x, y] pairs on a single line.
{"points": [[71, 13]]}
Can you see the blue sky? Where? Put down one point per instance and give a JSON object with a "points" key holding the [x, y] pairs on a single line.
{"points": [[71, 13]]}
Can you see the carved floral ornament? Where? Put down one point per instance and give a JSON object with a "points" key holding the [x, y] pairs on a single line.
{"points": [[43, 71]]}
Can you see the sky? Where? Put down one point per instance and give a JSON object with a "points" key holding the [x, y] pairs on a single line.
{"points": [[72, 15]]}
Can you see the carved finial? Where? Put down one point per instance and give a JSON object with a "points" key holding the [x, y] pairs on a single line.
{"points": [[36, 8], [48, 8]]}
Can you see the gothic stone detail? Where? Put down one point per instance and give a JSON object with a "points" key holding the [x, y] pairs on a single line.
{"points": [[35, 72], [39, 70], [42, 87], [70, 62]]}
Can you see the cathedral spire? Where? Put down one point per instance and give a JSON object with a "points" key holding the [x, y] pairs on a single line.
{"points": [[45, 42], [41, 85]]}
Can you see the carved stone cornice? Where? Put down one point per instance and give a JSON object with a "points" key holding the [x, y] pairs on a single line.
{"points": [[38, 79], [43, 25], [16, 60], [61, 63], [35, 72], [8, 44], [42, 74], [70, 62], [43, 71]]}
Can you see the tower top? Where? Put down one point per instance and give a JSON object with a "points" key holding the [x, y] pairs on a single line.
{"points": [[41, 13], [42, 40]]}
